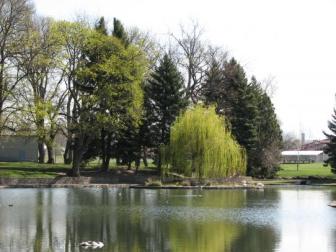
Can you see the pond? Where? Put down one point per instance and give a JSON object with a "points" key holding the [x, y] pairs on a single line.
{"points": [[273, 219]]}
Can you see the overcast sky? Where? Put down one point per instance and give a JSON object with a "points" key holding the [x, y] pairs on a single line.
{"points": [[293, 41]]}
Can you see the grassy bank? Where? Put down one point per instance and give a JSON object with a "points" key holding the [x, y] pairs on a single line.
{"points": [[305, 170], [31, 170], [36, 170]]}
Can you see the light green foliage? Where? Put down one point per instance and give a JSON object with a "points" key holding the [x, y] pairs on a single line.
{"points": [[202, 146], [114, 73]]}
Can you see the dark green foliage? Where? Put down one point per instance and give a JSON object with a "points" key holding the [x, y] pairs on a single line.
{"points": [[164, 100], [267, 156], [330, 149], [101, 26], [227, 88], [119, 31], [250, 113]]}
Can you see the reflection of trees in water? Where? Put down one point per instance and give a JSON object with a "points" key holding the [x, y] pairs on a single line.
{"points": [[143, 220], [252, 238], [123, 229], [39, 222]]}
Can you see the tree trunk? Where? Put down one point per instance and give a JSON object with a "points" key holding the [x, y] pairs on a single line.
{"points": [[145, 156], [68, 153], [77, 155], [41, 152], [137, 164], [106, 151], [51, 159], [118, 160]]}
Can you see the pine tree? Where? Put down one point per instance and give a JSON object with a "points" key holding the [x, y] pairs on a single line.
{"points": [[330, 149], [164, 101], [267, 156], [227, 88], [101, 26], [119, 31]]}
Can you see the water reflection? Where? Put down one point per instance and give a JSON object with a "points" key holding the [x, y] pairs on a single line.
{"points": [[287, 219]]}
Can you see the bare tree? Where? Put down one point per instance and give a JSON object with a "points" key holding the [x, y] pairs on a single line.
{"points": [[14, 14], [148, 44], [196, 57], [192, 58]]}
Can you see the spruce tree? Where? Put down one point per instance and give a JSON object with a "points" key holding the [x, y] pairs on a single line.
{"points": [[119, 31], [330, 149], [267, 156], [227, 88], [164, 96], [101, 26]]}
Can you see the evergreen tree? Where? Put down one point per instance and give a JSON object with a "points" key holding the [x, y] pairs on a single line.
{"points": [[114, 73], [330, 149], [164, 101], [267, 156], [227, 87], [119, 31], [101, 26]]}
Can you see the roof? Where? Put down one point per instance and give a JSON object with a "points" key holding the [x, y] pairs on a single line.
{"points": [[301, 153]]}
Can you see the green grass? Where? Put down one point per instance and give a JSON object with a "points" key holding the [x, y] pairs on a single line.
{"points": [[313, 169], [31, 170], [36, 170]]}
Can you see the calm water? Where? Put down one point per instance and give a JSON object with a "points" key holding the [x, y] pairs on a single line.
{"points": [[277, 219]]}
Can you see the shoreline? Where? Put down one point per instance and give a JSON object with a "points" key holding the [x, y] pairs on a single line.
{"points": [[140, 182]]}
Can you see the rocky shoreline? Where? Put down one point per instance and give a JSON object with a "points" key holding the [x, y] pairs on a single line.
{"points": [[122, 180]]}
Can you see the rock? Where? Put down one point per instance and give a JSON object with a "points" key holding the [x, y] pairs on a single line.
{"points": [[332, 204]]}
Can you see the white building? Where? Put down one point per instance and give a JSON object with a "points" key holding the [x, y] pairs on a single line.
{"points": [[303, 156]]}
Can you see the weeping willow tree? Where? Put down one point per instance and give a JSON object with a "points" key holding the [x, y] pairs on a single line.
{"points": [[202, 146]]}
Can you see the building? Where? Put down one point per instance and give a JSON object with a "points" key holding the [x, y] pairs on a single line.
{"points": [[18, 148], [315, 145], [303, 156]]}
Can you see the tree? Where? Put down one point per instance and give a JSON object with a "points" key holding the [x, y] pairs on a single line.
{"points": [[14, 14], [73, 36], [330, 148], [290, 142], [42, 99], [119, 32], [201, 145], [109, 78], [267, 156], [192, 56], [227, 88], [164, 96], [101, 26]]}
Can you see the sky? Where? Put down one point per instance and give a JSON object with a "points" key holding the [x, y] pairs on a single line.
{"points": [[292, 42]]}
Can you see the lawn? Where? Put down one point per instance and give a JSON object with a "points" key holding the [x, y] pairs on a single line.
{"points": [[313, 169], [36, 170], [31, 170]]}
